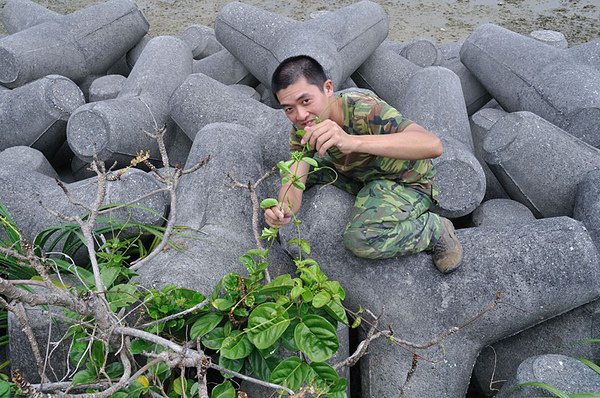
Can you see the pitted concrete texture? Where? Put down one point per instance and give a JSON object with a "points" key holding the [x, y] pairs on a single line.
{"points": [[537, 163], [36, 114], [523, 74], [562, 372], [340, 40], [72, 46], [542, 269], [501, 212]]}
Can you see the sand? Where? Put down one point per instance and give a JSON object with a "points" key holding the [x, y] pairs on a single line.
{"points": [[441, 20]]}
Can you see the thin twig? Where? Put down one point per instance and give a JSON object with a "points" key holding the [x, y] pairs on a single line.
{"points": [[173, 316]]}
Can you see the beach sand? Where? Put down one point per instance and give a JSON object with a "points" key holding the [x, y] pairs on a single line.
{"points": [[441, 20]]}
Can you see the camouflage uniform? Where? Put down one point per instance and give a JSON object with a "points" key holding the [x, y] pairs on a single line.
{"points": [[391, 213]]}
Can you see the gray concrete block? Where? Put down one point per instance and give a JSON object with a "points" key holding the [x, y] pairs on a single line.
{"points": [[499, 362], [501, 212], [340, 40], [560, 371], [18, 15], [27, 194], [523, 74], [106, 87], [201, 40], [587, 203], [588, 53], [551, 38], [26, 158], [36, 114], [117, 129], [246, 91], [543, 269], [387, 74], [481, 123], [74, 46], [201, 100], [434, 100], [537, 163], [422, 52], [225, 68]]}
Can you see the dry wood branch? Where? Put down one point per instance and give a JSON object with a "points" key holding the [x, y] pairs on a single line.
{"points": [[182, 313], [410, 374]]}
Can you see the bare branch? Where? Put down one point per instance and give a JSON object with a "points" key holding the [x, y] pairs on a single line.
{"points": [[136, 200], [70, 197], [410, 374], [197, 166], [173, 316], [251, 379]]}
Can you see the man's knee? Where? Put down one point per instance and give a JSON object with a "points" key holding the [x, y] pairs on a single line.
{"points": [[357, 241]]}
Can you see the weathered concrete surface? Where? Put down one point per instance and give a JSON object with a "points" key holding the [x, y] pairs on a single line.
{"points": [[542, 269], [501, 212]]}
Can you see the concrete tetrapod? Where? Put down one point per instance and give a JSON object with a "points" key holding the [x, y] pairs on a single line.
{"points": [[36, 114], [537, 163], [340, 40], [117, 129], [542, 269], [524, 74], [74, 46]]}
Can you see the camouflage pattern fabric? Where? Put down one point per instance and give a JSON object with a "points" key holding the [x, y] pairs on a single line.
{"points": [[366, 114], [390, 219], [391, 214]]}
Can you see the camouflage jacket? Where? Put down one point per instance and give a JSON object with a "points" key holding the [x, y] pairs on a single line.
{"points": [[367, 114]]}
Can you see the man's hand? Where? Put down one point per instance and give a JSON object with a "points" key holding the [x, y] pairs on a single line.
{"points": [[328, 134], [277, 216]]}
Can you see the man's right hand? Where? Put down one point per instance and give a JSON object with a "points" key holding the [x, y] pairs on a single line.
{"points": [[277, 216]]}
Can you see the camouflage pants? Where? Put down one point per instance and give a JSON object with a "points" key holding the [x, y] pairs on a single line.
{"points": [[388, 218]]}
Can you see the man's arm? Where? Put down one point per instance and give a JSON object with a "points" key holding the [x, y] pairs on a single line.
{"points": [[413, 143], [290, 198]]}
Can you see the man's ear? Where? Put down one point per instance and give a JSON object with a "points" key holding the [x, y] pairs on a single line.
{"points": [[328, 87]]}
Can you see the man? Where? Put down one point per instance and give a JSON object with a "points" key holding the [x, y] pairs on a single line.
{"points": [[380, 156]]}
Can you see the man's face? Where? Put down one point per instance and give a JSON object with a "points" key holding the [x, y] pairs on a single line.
{"points": [[302, 102]]}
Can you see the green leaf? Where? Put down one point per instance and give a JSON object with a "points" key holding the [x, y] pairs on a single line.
{"points": [[259, 365], [316, 338], [298, 184], [114, 370], [223, 390], [310, 161], [232, 364], [544, 386], [83, 377], [269, 202], [337, 311], [249, 263], [222, 304], [287, 338], [205, 324], [281, 284], [98, 353], [266, 324], [179, 385], [4, 389], [121, 296], [290, 373], [109, 275], [305, 246], [300, 133], [236, 346], [214, 339], [138, 346], [321, 299], [590, 364], [325, 376], [356, 323]]}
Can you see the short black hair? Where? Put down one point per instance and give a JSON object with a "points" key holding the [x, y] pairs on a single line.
{"points": [[292, 69]]}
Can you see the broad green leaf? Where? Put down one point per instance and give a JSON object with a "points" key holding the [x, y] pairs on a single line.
{"points": [[287, 338], [266, 324], [336, 310], [98, 353], [205, 324], [281, 284], [222, 304], [194, 389], [83, 377], [248, 262], [305, 246], [321, 299], [223, 390], [114, 370], [310, 161], [300, 133], [316, 338], [325, 375], [119, 394], [290, 373], [143, 380], [4, 389], [284, 168], [259, 365], [236, 346], [544, 386], [214, 339], [179, 385], [335, 289], [138, 346], [109, 275], [298, 184], [121, 295], [269, 202], [231, 364]]}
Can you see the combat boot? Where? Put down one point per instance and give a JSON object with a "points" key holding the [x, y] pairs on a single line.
{"points": [[447, 252]]}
